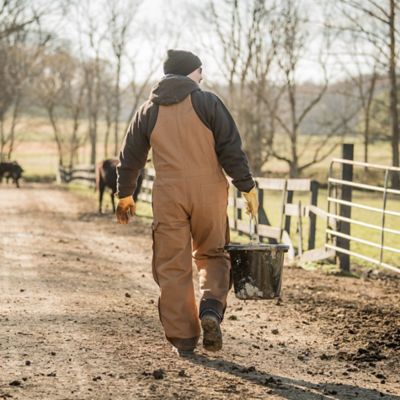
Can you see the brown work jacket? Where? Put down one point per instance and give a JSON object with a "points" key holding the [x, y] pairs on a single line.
{"points": [[173, 89]]}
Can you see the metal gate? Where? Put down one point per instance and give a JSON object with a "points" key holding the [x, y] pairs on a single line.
{"points": [[341, 222]]}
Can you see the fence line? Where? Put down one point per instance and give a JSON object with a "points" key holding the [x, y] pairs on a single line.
{"points": [[84, 174], [240, 222], [337, 218]]}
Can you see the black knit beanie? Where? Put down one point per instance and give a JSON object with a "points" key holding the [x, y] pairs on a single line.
{"points": [[181, 62]]}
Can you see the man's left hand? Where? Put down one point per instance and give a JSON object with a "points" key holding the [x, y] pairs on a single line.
{"points": [[251, 202]]}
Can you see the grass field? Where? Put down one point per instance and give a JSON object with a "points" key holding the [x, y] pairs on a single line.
{"points": [[36, 151]]}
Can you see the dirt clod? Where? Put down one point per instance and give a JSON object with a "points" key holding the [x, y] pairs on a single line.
{"points": [[159, 374]]}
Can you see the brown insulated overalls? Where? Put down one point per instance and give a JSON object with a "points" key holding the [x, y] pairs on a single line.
{"points": [[190, 197], [193, 137]]}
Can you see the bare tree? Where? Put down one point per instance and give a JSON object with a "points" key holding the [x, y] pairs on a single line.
{"points": [[107, 94], [51, 90], [377, 23], [139, 88], [61, 88], [293, 47], [263, 44], [244, 34], [75, 107], [21, 40], [16, 70], [92, 37], [361, 87], [15, 18], [122, 16]]}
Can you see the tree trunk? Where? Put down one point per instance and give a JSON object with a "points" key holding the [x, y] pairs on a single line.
{"points": [[93, 139], [393, 97], [366, 145], [366, 139], [294, 169], [117, 108], [1, 139], [367, 115], [56, 136], [13, 124], [95, 111], [106, 138]]}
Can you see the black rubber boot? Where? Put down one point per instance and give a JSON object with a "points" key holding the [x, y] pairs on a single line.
{"points": [[183, 347], [212, 335], [183, 353]]}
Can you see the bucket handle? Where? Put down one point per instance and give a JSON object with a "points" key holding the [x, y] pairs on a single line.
{"points": [[252, 232]]}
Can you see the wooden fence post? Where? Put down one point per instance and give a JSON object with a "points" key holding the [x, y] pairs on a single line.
{"points": [[313, 218], [345, 210], [289, 199]]}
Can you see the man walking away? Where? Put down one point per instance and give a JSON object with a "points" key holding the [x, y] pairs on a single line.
{"points": [[193, 137]]}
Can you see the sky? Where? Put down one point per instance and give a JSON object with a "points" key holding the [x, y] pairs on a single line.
{"points": [[181, 17], [184, 14]]}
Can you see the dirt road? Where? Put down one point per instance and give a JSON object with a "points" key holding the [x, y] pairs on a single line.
{"points": [[78, 320]]}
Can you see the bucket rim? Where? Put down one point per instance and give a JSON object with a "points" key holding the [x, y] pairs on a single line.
{"points": [[257, 246]]}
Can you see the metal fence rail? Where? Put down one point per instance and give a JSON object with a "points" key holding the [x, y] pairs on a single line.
{"points": [[341, 238]]}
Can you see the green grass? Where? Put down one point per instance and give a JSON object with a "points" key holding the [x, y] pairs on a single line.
{"points": [[379, 153]]}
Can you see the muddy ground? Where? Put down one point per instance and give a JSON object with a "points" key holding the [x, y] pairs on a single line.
{"points": [[78, 319]]}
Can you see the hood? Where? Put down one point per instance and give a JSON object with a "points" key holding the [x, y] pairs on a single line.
{"points": [[172, 89]]}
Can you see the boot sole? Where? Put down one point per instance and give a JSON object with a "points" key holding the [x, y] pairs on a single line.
{"points": [[212, 335], [183, 353]]}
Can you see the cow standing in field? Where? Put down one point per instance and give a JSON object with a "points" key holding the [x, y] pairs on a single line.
{"points": [[106, 177], [11, 170]]}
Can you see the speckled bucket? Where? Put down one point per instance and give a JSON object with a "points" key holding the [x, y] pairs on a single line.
{"points": [[257, 270]]}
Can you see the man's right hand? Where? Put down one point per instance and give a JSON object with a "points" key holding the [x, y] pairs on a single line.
{"points": [[126, 208]]}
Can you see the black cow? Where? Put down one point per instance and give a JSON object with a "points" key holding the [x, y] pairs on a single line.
{"points": [[106, 177], [11, 170]]}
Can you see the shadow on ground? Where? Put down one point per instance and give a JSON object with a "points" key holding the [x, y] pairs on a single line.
{"points": [[287, 388]]}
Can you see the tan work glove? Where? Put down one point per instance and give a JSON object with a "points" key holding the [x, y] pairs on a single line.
{"points": [[126, 208], [252, 202]]}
